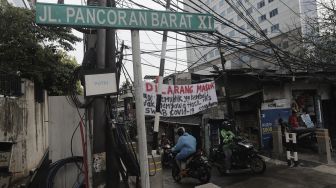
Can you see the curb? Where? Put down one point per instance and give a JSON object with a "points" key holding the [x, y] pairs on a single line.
{"points": [[273, 161], [326, 169], [320, 168]]}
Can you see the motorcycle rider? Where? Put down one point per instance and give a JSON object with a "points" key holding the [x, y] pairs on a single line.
{"points": [[186, 145], [164, 139], [227, 139]]}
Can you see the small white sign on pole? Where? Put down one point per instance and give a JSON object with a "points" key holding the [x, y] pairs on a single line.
{"points": [[100, 84]]}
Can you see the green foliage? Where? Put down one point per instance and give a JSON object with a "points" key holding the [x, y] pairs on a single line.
{"points": [[37, 52], [320, 46], [59, 79]]}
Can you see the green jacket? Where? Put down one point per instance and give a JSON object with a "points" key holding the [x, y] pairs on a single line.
{"points": [[227, 137]]}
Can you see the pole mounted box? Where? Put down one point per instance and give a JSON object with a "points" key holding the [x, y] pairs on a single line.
{"points": [[100, 83]]}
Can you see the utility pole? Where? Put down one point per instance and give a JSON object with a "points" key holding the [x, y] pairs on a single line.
{"points": [[159, 92], [140, 114], [226, 82], [99, 115], [112, 170]]}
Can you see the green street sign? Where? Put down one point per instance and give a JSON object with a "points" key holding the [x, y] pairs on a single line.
{"points": [[107, 17]]}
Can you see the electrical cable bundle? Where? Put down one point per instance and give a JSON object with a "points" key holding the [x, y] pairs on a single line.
{"points": [[127, 162], [55, 167]]}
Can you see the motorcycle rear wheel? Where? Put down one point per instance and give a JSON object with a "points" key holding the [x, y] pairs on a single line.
{"points": [[221, 170], [258, 165], [205, 176]]}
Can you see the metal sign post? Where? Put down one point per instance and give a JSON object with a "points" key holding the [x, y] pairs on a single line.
{"points": [[140, 113]]}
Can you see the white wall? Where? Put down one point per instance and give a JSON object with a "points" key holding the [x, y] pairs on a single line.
{"points": [[285, 91], [63, 120]]}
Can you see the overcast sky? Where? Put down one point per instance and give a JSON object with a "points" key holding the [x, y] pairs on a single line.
{"points": [[149, 41]]}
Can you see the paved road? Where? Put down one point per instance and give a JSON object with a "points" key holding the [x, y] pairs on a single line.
{"points": [[274, 177]]}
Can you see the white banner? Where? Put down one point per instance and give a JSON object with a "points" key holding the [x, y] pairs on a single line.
{"points": [[180, 100]]}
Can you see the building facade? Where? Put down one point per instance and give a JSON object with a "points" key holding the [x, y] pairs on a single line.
{"points": [[20, 3], [274, 18]]}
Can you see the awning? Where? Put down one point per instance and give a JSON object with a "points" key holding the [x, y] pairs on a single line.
{"points": [[186, 120], [249, 94]]}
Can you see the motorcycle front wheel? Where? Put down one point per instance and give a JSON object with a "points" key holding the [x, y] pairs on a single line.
{"points": [[176, 173], [258, 165]]}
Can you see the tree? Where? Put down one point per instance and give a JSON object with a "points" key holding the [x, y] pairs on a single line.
{"points": [[59, 80], [36, 52], [319, 45]]}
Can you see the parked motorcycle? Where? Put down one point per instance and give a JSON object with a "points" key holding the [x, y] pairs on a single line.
{"points": [[197, 167], [166, 157], [244, 156]]}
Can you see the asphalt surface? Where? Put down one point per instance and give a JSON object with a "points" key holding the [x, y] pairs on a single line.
{"points": [[275, 176]]}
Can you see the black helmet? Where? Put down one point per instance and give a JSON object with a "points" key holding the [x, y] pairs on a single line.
{"points": [[180, 131], [226, 124]]}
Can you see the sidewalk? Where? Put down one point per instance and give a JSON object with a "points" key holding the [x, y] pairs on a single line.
{"points": [[309, 161]]}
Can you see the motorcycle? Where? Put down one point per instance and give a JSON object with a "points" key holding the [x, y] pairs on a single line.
{"points": [[244, 156], [197, 167], [166, 157]]}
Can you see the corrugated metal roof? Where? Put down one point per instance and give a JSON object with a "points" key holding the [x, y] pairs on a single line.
{"points": [[187, 120], [249, 94]]}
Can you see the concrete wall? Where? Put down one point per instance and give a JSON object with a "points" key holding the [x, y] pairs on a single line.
{"points": [[284, 91], [24, 123], [63, 120]]}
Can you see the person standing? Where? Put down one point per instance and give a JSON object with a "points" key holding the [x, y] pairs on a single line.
{"points": [[293, 120]]}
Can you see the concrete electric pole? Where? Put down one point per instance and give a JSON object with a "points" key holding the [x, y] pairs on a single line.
{"points": [[140, 113], [226, 83]]}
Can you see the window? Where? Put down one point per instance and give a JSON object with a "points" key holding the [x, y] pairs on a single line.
{"points": [[270, 1], [265, 31], [244, 58], [249, 10], [275, 28], [274, 12], [238, 17], [223, 27], [285, 44], [221, 3], [211, 54], [216, 52], [229, 10], [262, 18], [214, 8], [248, 26], [243, 40], [268, 50], [231, 34], [242, 28], [261, 4], [223, 13]]}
